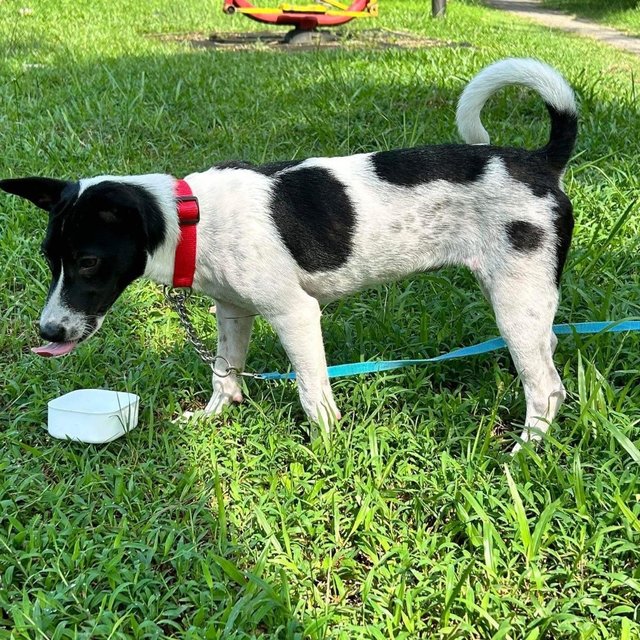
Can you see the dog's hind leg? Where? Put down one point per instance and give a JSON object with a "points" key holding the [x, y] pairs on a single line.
{"points": [[525, 299], [301, 335], [234, 333]]}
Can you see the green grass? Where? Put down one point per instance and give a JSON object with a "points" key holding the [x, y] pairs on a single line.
{"points": [[412, 522], [621, 14]]}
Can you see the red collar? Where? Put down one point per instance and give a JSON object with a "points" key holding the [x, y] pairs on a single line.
{"points": [[188, 217]]}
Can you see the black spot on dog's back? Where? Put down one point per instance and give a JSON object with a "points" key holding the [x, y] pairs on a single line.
{"points": [[463, 164], [272, 168], [269, 169], [524, 236], [411, 167], [530, 169], [235, 164], [314, 217]]}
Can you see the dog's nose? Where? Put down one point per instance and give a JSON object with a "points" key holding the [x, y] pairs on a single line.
{"points": [[52, 332]]}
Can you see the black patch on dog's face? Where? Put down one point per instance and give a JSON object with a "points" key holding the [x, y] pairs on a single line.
{"points": [[524, 236], [411, 167], [57, 210], [314, 217], [101, 240], [563, 223]]}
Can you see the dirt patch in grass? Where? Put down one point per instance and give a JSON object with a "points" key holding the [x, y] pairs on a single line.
{"points": [[325, 39]]}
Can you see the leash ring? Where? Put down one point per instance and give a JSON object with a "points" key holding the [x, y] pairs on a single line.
{"points": [[227, 365]]}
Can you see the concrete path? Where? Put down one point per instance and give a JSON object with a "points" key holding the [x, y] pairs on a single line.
{"points": [[533, 10]]}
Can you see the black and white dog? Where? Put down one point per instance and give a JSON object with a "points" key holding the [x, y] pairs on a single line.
{"points": [[280, 239]]}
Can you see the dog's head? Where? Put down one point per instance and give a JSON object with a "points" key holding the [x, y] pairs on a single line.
{"points": [[97, 242]]}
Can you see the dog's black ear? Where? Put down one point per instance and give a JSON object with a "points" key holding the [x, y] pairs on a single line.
{"points": [[43, 192]]}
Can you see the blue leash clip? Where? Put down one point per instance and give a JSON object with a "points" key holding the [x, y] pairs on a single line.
{"points": [[375, 366]]}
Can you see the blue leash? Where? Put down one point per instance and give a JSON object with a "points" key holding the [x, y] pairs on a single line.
{"points": [[375, 366]]}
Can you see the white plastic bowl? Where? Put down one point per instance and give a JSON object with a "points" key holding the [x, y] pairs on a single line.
{"points": [[93, 415]]}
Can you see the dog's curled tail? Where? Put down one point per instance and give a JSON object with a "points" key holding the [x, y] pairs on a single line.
{"points": [[553, 89]]}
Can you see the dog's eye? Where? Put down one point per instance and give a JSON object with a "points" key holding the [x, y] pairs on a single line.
{"points": [[88, 264]]}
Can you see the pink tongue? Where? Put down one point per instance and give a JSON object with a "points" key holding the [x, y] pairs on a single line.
{"points": [[54, 349]]}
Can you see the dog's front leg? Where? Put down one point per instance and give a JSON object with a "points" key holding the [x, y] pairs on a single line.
{"points": [[301, 335], [234, 332]]}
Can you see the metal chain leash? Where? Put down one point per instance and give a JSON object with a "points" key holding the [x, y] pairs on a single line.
{"points": [[177, 298]]}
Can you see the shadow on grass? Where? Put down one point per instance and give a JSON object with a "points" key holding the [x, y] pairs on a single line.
{"points": [[337, 39], [595, 9]]}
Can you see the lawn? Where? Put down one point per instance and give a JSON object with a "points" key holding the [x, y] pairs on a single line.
{"points": [[412, 521], [621, 14]]}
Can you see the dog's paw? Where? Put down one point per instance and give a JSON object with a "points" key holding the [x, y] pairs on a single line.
{"points": [[532, 437], [225, 392], [325, 419], [187, 416], [324, 414]]}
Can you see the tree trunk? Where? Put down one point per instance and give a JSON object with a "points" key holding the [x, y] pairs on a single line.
{"points": [[438, 8]]}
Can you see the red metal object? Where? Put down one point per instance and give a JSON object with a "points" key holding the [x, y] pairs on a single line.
{"points": [[304, 21]]}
